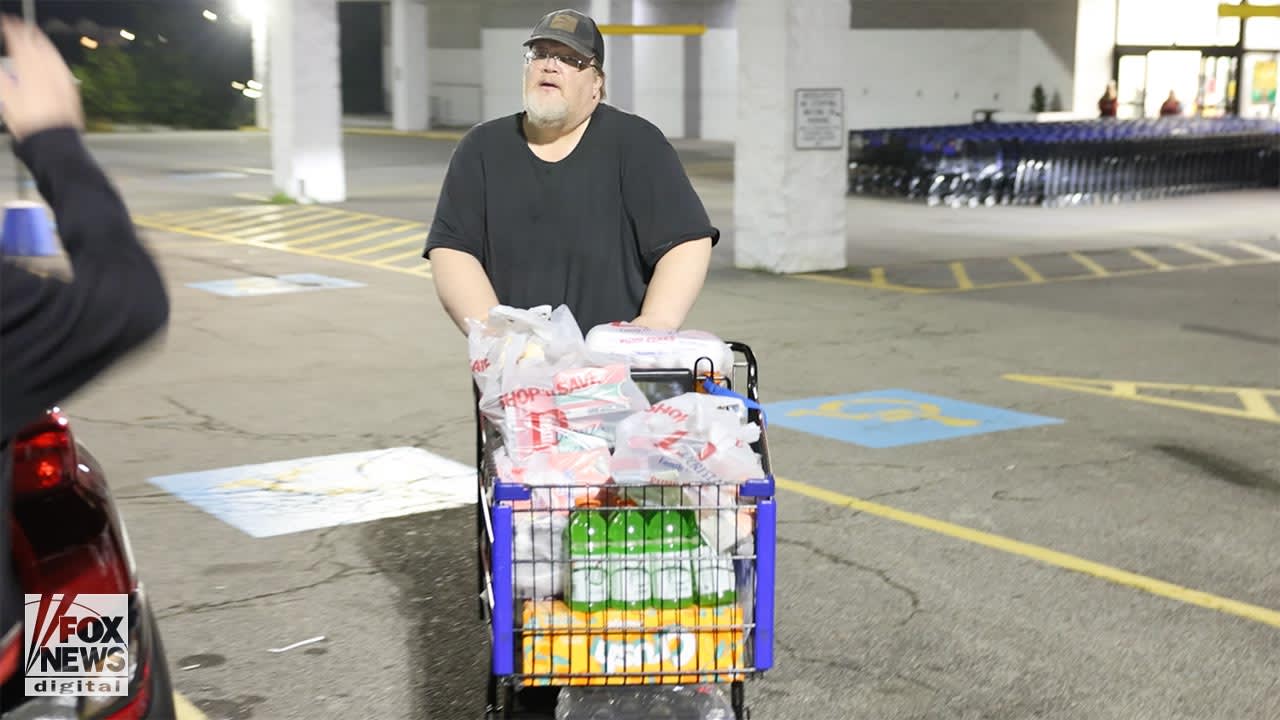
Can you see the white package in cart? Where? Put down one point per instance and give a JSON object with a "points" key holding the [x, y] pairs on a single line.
{"points": [[515, 356], [541, 386], [700, 442], [592, 400], [643, 347], [690, 438], [557, 479], [539, 553]]}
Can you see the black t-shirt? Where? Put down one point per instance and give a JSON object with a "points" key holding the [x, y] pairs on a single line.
{"points": [[586, 231]]}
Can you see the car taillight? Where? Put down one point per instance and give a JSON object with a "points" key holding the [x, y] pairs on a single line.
{"points": [[44, 455]]}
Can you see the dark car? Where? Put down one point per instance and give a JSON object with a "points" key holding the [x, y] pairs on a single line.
{"points": [[68, 538]]}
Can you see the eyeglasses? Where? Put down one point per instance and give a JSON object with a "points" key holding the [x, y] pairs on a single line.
{"points": [[571, 60]]}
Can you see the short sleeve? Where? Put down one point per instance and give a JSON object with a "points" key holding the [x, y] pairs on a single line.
{"points": [[660, 201], [459, 222]]}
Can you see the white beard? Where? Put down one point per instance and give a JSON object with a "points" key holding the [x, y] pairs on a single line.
{"points": [[545, 111]]}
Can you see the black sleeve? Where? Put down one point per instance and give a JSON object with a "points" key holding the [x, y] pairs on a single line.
{"points": [[659, 198], [459, 222], [55, 335]]}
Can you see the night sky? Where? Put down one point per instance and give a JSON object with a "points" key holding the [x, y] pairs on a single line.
{"points": [[221, 52]]}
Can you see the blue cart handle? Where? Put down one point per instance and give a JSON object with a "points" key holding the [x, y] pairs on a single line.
{"points": [[715, 389]]}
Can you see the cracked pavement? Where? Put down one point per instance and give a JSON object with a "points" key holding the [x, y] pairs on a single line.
{"points": [[876, 619]]}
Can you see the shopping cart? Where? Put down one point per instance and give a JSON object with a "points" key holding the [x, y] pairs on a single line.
{"points": [[696, 610]]}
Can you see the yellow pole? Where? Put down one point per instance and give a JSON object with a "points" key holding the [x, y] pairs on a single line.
{"points": [[653, 29], [1248, 11]]}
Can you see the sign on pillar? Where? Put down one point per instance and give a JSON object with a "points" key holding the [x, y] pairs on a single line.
{"points": [[790, 152], [306, 100]]}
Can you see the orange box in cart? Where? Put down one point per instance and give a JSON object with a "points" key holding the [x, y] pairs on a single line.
{"points": [[561, 642]]}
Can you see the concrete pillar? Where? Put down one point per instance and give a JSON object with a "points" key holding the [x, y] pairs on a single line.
{"points": [[789, 187], [258, 30], [619, 60], [659, 77], [306, 100], [410, 86]]}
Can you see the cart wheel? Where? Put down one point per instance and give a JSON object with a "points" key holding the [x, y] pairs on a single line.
{"points": [[500, 710], [737, 696]]}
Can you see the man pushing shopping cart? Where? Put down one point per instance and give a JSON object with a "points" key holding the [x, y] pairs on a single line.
{"points": [[626, 511]]}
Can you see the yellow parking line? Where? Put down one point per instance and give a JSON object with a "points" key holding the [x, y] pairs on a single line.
{"points": [[272, 221], [917, 290], [1257, 406], [339, 231], [145, 222], [246, 220], [415, 253], [1092, 266], [182, 216], [424, 134], [402, 227], [1044, 555], [1261, 252], [961, 275], [1253, 401], [1148, 259], [1032, 274], [877, 282], [281, 232], [184, 710], [381, 246], [1206, 254]]}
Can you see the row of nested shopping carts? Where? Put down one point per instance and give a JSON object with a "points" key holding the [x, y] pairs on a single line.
{"points": [[1064, 163]]}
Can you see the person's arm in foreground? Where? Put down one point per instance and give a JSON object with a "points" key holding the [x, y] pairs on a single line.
{"points": [[677, 281], [56, 336]]}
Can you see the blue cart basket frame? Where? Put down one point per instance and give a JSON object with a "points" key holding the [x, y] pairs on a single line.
{"points": [[503, 505]]}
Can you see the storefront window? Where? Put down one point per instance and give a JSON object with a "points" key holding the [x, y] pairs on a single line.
{"points": [[1175, 22]]}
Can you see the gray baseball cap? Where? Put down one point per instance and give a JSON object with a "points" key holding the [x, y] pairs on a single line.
{"points": [[572, 28]]}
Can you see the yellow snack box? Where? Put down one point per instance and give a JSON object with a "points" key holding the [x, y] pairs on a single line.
{"points": [[631, 647]]}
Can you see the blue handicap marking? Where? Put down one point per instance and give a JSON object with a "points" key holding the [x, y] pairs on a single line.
{"points": [[268, 285], [891, 418]]}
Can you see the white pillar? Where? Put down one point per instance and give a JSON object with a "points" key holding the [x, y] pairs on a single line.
{"points": [[306, 100], [1095, 45], [658, 76], [258, 30], [618, 61], [410, 86], [789, 188]]}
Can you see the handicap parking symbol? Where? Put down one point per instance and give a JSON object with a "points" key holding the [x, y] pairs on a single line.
{"points": [[891, 418]]}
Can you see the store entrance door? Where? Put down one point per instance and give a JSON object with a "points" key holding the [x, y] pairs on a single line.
{"points": [[1176, 72], [1203, 81], [1218, 85]]}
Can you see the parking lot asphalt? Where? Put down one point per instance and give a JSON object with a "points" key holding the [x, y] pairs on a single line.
{"points": [[1107, 552]]}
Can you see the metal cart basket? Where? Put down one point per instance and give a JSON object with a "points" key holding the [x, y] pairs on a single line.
{"points": [[680, 591]]}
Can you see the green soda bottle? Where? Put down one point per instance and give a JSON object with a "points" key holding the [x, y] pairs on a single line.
{"points": [[628, 561], [586, 584], [671, 561]]}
